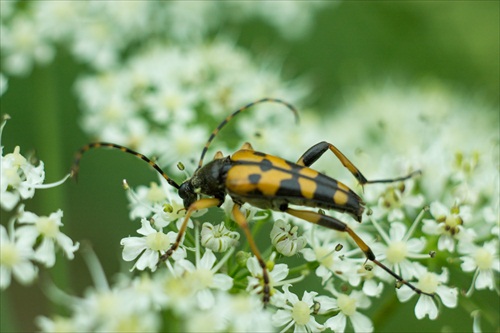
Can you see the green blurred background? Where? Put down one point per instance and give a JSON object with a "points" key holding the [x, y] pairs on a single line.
{"points": [[352, 44]]}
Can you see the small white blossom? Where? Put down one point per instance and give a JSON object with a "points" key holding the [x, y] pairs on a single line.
{"points": [[396, 199], [448, 224], [399, 248], [160, 203], [23, 46], [15, 258], [45, 228], [244, 313], [348, 306], [430, 283], [296, 312], [218, 238], [285, 239], [371, 286], [483, 261], [57, 324], [330, 254], [276, 276], [19, 178], [203, 278], [149, 247]]}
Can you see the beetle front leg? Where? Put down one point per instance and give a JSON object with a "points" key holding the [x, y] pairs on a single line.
{"points": [[335, 224], [316, 151], [242, 222], [197, 205]]}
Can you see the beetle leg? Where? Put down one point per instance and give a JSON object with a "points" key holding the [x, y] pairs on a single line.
{"points": [[316, 151], [197, 205], [335, 224], [242, 222]]}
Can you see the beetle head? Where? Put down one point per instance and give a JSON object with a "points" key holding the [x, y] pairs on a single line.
{"points": [[187, 193]]}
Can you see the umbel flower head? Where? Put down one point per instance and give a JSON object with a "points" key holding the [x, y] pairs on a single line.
{"points": [[28, 238], [163, 97]]}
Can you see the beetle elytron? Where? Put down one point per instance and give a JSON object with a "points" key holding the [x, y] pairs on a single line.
{"points": [[267, 182]]}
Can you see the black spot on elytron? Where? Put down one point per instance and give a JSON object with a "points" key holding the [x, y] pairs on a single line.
{"points": [[266, 165], [291, 165], [289, 188], [254, 178], [325, 193], [258, 153]]}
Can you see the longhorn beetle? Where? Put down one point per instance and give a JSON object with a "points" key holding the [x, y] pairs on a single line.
{"points": [[267, 182]]}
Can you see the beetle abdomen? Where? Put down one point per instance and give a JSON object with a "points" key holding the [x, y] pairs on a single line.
{"points": [[268, 181]]}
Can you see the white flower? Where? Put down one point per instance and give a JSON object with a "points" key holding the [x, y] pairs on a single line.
{"points": [[160, 203], [371, 287], [397, 198], [276, 276], [57, 324], [149, 247], [430, 283], [112, 310], [127, 306], [23, 45], [47, 229], [19, 178], [448, 224], [330, 254], [15, 258], [232, 313], [483, 261], [285, 238], [244, 313], [218, 238], [296, 312], [348, 306], [203, 277], [398, 248]]}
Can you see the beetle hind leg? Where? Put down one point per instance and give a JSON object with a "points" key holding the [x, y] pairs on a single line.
{"points": [[335, 224], [316, 151]]}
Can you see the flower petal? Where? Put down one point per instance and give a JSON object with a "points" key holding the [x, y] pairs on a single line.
{"points": [[132, 247], [426, 306], [449, 296], [361, 323], [337, 323]]}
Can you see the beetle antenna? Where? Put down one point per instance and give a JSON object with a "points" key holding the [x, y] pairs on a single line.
{"points": [[76, 163], [228, 118]]}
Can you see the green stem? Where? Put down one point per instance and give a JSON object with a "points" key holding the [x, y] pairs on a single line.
{"points": [[7, 322], [49, 138]]}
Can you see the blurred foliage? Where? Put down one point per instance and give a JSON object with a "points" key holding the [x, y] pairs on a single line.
{"points": [[352, 45]]}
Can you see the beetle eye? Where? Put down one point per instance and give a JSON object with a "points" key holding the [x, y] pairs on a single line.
{"points": [[187, 194], [184, 190]]}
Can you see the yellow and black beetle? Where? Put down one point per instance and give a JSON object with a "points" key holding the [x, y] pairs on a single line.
{"points": [[267, 182]]}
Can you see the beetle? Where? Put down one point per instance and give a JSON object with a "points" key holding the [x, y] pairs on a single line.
{"points": [[268, 182]]}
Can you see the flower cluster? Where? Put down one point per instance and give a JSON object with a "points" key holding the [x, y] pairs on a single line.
{"points": [[163, 92], [28, 238], [160, 85], [412, 224], [32, 31]]}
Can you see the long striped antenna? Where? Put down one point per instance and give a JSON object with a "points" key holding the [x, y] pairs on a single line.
{"points": [[228, 118], [76, 163]]}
